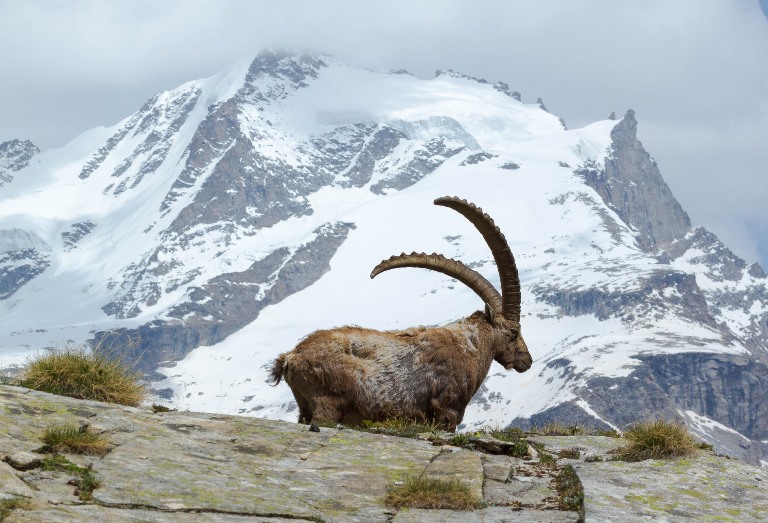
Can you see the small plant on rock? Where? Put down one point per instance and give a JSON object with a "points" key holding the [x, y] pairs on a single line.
{"points": [[85, 482], [569, 454], [403, 427], [84, 374], [459, 440], [570, 490], [561, 429], [434, 493], [547, 460], [509, 434], [74, 440], [657, 440], [12, 503]]}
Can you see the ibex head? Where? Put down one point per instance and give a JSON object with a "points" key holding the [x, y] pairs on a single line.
{"points": [[502, 310]]}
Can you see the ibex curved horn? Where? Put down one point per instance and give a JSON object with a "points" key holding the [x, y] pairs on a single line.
{"points": [[427, 373], [508, 303], [509, 278], [449, 267]]}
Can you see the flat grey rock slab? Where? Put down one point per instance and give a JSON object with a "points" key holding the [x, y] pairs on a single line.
{"points": [[11, 484], [701, 488], [182, 466], [488, 515], [81, 513], [588, 446]]}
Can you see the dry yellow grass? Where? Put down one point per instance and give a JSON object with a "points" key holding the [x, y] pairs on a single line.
{"points": [[658, 439], [84, 374], [71, 439], [434, 493]]}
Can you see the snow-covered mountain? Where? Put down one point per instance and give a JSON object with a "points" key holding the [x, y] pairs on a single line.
{"points": [[226, 219]]}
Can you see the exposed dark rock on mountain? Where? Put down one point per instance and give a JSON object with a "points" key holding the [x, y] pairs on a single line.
{"points": [[655, 296], [14, 156], [23, 256], [729, 389], [225, 304], [17, 268], [631, 184], [77, 233], [476, 158]]}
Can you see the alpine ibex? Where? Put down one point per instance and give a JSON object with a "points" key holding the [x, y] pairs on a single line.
{"points": [[352, 374]]}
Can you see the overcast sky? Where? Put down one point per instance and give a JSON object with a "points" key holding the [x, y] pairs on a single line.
{"points": [[695, 71]]}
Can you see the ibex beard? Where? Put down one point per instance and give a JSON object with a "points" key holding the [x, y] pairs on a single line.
{"points": [[351, 374]]}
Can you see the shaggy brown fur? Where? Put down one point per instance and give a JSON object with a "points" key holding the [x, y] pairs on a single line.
{"points": [[351, 374]]}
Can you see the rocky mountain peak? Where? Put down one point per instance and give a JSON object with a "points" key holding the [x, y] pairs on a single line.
{"points": [[283, 65], [631, 184], [625, 132]]}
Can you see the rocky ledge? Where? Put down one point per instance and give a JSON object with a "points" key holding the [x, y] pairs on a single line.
{"points": [[183, 466]]}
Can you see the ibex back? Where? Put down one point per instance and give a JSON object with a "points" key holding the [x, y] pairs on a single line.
{"points": [[350, 374]]}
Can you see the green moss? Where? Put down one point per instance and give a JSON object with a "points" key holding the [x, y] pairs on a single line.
{"points": [[653, 502], [86, 482], [693, 493]]}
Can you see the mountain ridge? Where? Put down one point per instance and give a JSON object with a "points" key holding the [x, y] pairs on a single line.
{"points": [[231, 216]]}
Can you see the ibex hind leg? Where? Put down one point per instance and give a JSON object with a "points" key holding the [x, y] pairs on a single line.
{"points": [[446, 417], [305, 412], [329, 409]]}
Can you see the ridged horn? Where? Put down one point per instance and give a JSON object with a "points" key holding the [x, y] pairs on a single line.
{"points": [[502, 254], [449, 267]]}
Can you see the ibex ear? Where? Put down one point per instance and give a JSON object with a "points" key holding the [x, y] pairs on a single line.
{"points": [[489, 314]]}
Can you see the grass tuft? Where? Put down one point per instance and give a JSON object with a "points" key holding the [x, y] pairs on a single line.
{"points": [[658, 439], [84, 374], [511, 435], [71, 439], [561, 429], [433, 493], [547, 460], [569, 454], [403, 427], [459, 440], [12, 503]]}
